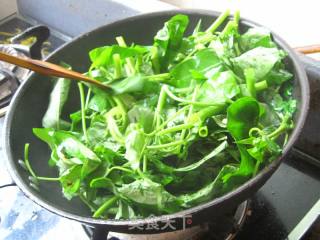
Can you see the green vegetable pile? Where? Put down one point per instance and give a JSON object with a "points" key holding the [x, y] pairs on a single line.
{"points": [[186, 120]]}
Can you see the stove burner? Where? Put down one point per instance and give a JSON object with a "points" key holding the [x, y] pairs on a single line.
{"points": [[11, 51], [19, 72], [8, 85], [9, 77], [224, 228]]}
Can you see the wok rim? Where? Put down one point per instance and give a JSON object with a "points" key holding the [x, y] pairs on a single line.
{"points": [[262, 176]]}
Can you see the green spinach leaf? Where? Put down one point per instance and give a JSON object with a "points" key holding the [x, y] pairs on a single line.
{"points": [[58, 97]]}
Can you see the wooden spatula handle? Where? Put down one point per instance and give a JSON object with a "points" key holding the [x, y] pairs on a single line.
{"points": [[309, 49], [48, 69]]}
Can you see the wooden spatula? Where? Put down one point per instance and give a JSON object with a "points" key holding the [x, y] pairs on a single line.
{"points": [[49, 69], [308, 49]]}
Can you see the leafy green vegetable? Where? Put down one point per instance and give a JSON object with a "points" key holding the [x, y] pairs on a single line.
{"points": [[203, 62], [98, 103], [136, 83], [187, 119], [142, 116], [220, 88], [210, 191], [125, 211], [146, 192], [101, 57], [70, 181], [101, 182], [195, 165], [256, 37], [135, 141], [58, 97], [169, 38], [261, 59], [243, 115]]}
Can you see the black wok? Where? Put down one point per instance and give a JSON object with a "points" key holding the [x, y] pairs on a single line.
{"points": [[31, 100]]}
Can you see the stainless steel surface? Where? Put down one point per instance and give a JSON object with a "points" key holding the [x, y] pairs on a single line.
{"points": [[299, 231]]}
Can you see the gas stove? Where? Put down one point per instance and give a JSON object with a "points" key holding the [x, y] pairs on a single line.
{"points": [[20, 38], [287, 207]]}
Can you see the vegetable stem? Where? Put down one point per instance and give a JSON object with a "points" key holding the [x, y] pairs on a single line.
{"points": [[117, 66], [183, 132], [138, 64], [166, 145], [203, 131], [207, 157], [26, 160], [129, 61], [218, 21], [237, 17], [203, 114], [145, 163], [175, 128], [108, 204], [118, 168], [282, 128], [155, 123], [48, 179], [162, 77], [204, 39], [84, 199], [155, 60], [259, 86], [178, 99], [160, 105], [122, 110], [250, 81], [227, 28], [83, 114], [197, 28], [30, 170], [162, 125], [88, 98], [112, 125]]}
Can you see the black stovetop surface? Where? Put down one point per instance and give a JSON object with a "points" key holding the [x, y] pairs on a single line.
{"points": [[275, 210]]}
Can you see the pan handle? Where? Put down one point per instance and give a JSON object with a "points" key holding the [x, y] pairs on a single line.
{"points": [[40, 32], [9, 183]]}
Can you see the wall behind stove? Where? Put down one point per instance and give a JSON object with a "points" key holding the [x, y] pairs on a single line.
{"points": [[7, 7], [297, 21], [73, 17]]}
